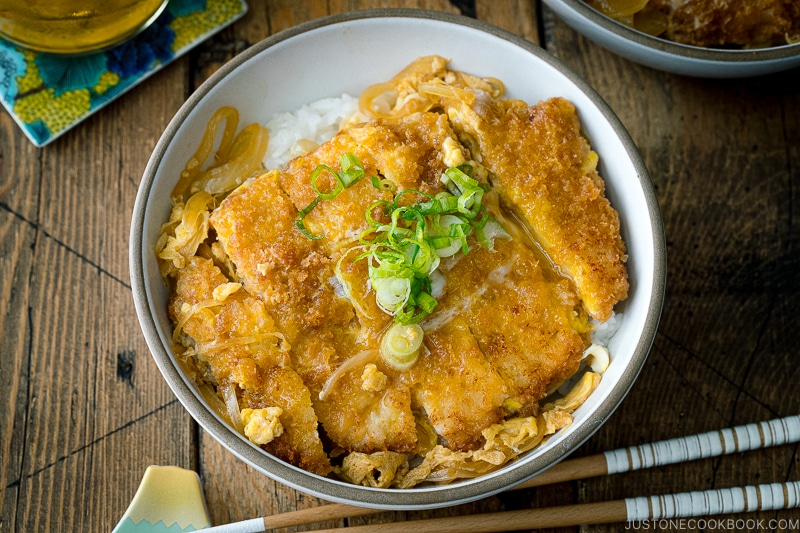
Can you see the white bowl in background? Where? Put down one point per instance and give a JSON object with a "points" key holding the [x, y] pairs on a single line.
{"points": [[346, 53], [669, 56]]}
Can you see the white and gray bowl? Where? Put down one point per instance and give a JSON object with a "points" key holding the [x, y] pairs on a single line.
{"points": [[669, 56], [346, 53]]}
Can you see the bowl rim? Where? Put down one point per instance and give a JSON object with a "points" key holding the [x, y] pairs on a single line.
{"points": [[686, 51], [335, 490]]}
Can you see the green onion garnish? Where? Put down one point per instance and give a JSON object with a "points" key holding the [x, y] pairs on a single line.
{"points": [[404, 244], [352, 171], [400, 345], [406, 250]]}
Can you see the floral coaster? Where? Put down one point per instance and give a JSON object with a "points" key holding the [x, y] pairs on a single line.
{"points": [[47, 94]]}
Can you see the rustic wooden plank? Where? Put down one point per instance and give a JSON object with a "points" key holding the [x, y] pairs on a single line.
{"points": [[284, 14], [20, 171], [19, 183], [16, 241], [144, 423], [76, 374], [79, 400], [517, 16], [92, 172]]}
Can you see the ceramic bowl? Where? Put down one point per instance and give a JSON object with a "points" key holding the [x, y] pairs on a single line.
{"points": [[669, 56], [346, 53]]}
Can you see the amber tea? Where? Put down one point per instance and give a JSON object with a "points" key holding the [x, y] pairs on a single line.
{"points": [[74, 26]]}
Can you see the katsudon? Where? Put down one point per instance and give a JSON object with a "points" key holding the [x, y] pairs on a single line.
{"points": [[410, 301]]}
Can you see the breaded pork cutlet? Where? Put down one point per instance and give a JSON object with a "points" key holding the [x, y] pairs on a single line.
{"points": [[293, 276], [456, 386], [528, 326], [236, 338], [289, 272], [295, 329], [544, 171]]}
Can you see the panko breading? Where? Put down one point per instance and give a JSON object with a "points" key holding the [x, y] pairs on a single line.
{"points": [[279, 308], [256, 227], [409, 153], [340, 221], [527, 326], [236, 339], [354, 418], [287, 271], [367, 421], [456, 386], [544, 170]]}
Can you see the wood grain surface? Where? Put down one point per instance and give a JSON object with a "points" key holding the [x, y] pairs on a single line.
{"points": [[84, 410]]}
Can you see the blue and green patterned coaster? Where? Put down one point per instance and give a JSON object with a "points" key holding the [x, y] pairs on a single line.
{"points": [[47, 94]]}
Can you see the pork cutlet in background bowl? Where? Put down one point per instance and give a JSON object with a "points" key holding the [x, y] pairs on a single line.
{"points": [[388, 415], [731, 39]]}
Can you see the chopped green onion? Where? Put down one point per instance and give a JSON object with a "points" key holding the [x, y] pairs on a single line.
{"points": [[383, 184], [352, 171], [405, 242], [391, 293], [404, 253], [301, 215], [461, 176], [326, 195], [400, 345]]}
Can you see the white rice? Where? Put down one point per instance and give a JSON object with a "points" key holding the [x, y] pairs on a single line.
{"points": [[602, 332], [316, 122]]}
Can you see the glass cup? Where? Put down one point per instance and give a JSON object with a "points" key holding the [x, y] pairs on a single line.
{"points": [[74, 26]]}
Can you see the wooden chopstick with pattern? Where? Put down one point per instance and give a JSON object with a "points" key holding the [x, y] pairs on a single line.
{"points": [[664, 507], [678, 450]]}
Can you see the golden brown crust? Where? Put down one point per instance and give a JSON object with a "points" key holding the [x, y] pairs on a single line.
{"points": [[526, 324], [286, 270], [293, 277], [339, 221], [542, 169], [331, 362], [456, 386], [257, 365]]}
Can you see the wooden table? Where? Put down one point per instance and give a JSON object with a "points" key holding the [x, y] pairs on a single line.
{"points": [[84, 410]]}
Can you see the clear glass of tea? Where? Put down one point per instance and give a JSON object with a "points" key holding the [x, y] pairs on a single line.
{"points": [[74, 26]]}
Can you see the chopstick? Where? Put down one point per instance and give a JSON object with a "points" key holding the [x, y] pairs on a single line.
{"points": [[682, 505], [700, 446]]}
